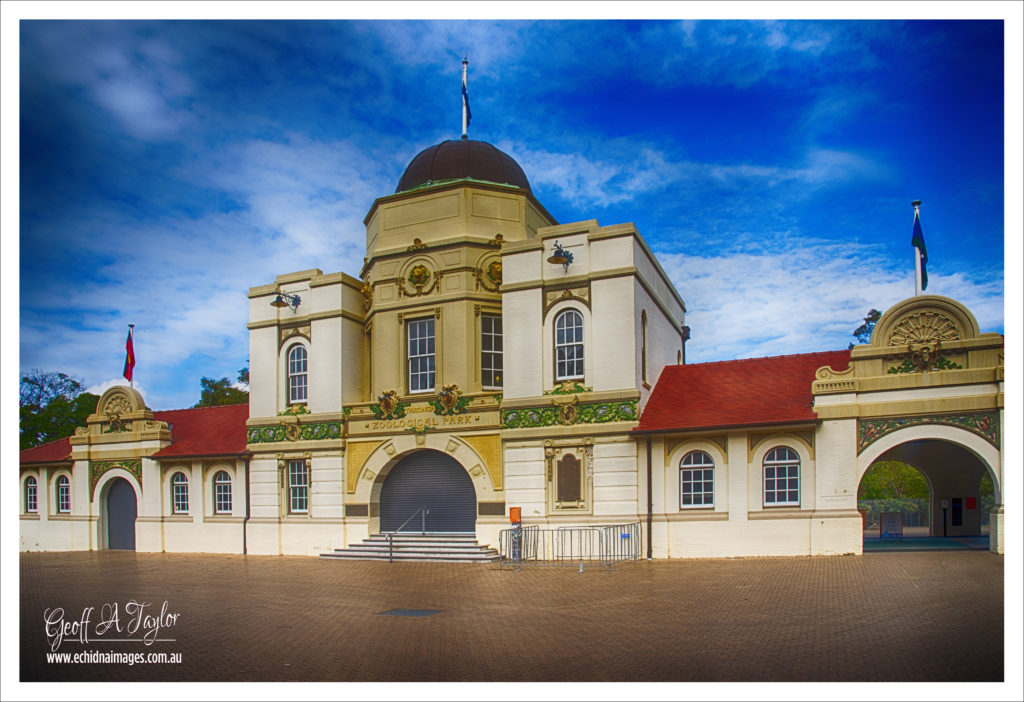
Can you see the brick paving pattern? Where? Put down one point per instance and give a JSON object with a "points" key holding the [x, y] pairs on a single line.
{"points": [[879, 617]]}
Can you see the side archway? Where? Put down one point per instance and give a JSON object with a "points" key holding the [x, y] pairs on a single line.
{"points": [[953, 462], [121, 509]]}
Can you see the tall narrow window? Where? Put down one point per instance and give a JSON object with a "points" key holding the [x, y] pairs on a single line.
{"points": [[490, 351], [781, 477], [421, 355], [222, 493], [297, 369], [643, 346], [298, 487], [697, 480], [31, 494], [179, 493], [569, 346], [63, 494]]}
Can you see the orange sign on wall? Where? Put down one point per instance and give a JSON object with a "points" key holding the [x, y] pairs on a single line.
{"points": [[515, 514]]}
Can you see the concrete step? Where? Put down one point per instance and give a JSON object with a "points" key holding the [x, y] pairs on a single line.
{"points": [[406, 558], [448, 547], [422, 548]]}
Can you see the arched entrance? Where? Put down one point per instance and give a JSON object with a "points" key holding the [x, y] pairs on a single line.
{"points": [[433, 480], [122, 509], [954, 504]]}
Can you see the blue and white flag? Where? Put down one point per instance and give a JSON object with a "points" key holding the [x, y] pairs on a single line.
{"points": [[465, 99], [918, 242]]}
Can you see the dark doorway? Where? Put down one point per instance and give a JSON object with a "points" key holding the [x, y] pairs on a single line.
{"points": [[433, 480], [122, 509]]}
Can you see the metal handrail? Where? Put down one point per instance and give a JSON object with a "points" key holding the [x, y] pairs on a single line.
{"points": [[423, 511]]}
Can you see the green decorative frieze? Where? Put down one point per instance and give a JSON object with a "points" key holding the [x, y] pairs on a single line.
{"points": [[293, 411], [984, 424], [98, 468], [593, 413], [319, 431]]}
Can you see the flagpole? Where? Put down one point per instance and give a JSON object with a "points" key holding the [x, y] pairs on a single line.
{"points": [[131, 330], [465, 99], [917, 252]]}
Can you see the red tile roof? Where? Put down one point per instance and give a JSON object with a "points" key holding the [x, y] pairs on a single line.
{"points": [[752, 391], [203, 431], [57, 451]]}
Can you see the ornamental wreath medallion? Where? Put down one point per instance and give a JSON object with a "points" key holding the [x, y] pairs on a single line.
{"points": [[450, 401], [421, 279], [419, 275], [388, 406], [494, 272]]}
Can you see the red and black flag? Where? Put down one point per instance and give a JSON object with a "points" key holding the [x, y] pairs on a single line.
{"points": [[129, 359]]}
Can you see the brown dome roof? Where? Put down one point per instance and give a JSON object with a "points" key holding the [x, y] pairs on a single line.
{"points": [[460, 159]]}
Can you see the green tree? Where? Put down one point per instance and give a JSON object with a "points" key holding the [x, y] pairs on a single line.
{"points": [[863, 332], [52, 406], [892, 479], [223, 392]]}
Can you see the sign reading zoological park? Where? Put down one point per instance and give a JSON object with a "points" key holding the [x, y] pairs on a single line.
{"points": [[422, 418]]}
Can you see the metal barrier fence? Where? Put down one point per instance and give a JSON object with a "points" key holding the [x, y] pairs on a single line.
{"points": [[588, 546]]}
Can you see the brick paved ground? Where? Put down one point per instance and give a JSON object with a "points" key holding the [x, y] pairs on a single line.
{"points": [[879, 617]]}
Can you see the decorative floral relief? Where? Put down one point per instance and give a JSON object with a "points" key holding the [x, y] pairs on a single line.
{"points": [[98, 468], [923, 328], [568, 387], [984, 424]]}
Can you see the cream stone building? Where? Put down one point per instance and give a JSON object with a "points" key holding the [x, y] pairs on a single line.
{"points": [[487, 357]]}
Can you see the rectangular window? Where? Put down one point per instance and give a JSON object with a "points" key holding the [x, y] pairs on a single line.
{"points": [[63, 495], [697, 487], [782, 485], [222, 495], [490, 351], [179, 494], [421, 355], [31, 496], [298, 487]]}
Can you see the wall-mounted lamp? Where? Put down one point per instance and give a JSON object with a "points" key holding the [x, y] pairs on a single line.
{"points": [[284, 299], [560, 257]]}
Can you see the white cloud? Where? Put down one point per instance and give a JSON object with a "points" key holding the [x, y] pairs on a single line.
{"points": [[807, 298], [589, 182]]}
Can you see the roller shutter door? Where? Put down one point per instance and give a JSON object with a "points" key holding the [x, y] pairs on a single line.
{"points": [[428, 479]]}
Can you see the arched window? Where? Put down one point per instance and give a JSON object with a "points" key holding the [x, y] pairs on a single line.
{"points": [[179, 493], [31, 494], [222, 493], [63, 494], [696, 480], [569, 346], [643, 345], [297, 374], [781, 477]]}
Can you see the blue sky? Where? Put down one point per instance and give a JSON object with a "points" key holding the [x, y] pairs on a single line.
{"points": [[168, 166]]}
